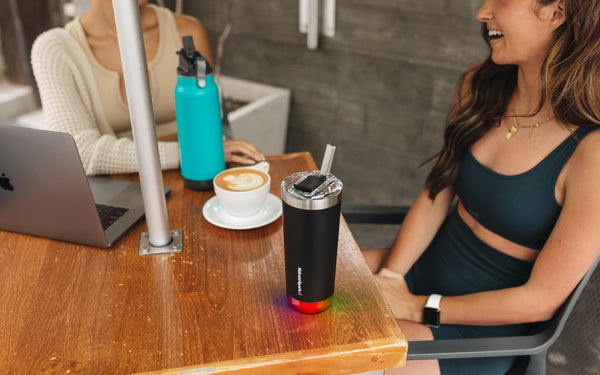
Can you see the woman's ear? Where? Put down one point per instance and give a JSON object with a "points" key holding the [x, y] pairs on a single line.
{"points": [[559, 15]]}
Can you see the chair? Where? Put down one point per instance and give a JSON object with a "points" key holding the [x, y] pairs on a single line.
{"points": [[530, 349]]}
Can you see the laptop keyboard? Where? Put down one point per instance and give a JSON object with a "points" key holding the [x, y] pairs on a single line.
{"points": [[109, 214]]}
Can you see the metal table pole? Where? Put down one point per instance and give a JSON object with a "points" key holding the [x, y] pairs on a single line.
{"points": [[159, 238]]}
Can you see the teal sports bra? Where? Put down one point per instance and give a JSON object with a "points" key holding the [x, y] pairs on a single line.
{"points": [[521, 208]]}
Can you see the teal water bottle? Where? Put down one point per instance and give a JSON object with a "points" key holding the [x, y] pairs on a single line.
{"points": [[199, 126]]}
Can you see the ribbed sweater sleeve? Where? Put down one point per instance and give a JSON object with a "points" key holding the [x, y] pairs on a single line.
{"points": [[71, 104]]}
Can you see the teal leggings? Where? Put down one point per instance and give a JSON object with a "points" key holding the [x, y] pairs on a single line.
{"points": [[457, 263]]}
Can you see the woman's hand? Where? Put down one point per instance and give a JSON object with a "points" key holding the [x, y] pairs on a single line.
{"points": [[241, 152], [236, 151], [404, 304]]}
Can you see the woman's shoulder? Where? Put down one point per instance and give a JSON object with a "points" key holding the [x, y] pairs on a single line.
{"points": [[52, 35], [586, 158], [53, 41], [581, 183], [188, 25], [186, 20], [589, 146]]}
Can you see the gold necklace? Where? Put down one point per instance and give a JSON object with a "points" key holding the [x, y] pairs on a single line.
{"points": [[513, 129]]}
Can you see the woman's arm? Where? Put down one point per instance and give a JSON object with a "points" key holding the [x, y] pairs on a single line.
{"points": [[69, 106], [419, 227], [423, 220]]}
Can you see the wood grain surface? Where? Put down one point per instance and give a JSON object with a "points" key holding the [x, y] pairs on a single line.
{"points": [[219, 306]]}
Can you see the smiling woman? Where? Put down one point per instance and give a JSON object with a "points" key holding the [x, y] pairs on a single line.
{"points": [[522, 234]]}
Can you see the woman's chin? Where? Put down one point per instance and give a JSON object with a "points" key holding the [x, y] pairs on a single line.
{"points": [[499, 59]]}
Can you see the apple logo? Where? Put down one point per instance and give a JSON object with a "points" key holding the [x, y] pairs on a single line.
{"points": [[5, 183]]}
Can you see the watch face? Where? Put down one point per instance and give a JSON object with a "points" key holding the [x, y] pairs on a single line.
{"points": [[431, 317]]}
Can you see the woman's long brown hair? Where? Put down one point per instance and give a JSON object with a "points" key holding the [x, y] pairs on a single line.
{"points": [[570, 80]]}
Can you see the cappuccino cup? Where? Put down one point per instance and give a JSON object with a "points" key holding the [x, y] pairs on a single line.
{"points": [[242, 191]]}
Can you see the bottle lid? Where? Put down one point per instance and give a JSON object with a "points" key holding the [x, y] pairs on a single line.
{"points": [[192, 63], [311, 191]]}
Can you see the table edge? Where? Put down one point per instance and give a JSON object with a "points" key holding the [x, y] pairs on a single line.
{"points": [[381, 354]]}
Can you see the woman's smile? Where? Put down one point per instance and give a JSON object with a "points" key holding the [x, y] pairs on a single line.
{"points": [[495, 36]]}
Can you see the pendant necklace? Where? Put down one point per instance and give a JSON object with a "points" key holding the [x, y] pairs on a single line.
{"points": [[513, 129]]}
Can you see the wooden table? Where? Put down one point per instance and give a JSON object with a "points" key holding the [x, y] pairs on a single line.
{"points": [[219, 305]]}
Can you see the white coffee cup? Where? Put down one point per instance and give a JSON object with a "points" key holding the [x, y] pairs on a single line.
{"points": [[243, 190]]}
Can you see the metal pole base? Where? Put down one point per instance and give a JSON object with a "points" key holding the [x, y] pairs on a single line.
{"points": [[175, 246]]}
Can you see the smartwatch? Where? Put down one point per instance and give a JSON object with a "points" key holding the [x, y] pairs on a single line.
{"points": [[431, 312]]}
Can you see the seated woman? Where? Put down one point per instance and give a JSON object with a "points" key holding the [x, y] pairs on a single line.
{"points": [[522, 156], [80, 79]]}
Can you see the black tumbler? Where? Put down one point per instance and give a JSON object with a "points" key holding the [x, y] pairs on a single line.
{"points": [[311, 220]]}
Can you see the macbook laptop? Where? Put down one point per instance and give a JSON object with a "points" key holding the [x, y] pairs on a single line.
{"points": [[44, 191]]}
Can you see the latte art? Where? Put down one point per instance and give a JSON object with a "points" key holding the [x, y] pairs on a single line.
{"points": [[241, 179]]}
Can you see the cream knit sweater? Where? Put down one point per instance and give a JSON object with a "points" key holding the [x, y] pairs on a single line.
{"points": [[71, 104]]}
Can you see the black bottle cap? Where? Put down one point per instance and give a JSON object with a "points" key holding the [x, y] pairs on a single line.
{"points": [[188, 57]]}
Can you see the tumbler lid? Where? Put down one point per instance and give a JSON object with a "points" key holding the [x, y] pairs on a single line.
{"points": [[327, 194]]}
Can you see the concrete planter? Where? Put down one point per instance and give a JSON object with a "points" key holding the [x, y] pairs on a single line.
{"points": [[263, 121]]}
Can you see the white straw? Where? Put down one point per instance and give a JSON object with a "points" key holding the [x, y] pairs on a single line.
{"points": [[327, 160]]}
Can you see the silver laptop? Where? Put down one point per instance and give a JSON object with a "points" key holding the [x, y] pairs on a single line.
{"points": [[44, 191]]}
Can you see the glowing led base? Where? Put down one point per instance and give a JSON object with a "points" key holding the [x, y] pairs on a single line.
{"points": [[309, 307]]}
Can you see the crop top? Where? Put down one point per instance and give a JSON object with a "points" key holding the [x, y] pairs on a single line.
{"points": [[521, 208]]}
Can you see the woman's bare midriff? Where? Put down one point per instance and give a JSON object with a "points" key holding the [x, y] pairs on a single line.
{"points": [[496, 241]]}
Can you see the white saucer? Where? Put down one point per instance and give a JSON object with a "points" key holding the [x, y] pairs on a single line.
{"points": [[215, 214]]}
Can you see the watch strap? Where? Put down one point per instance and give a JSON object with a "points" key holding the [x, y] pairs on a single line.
{"points": [[431, 311]]}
